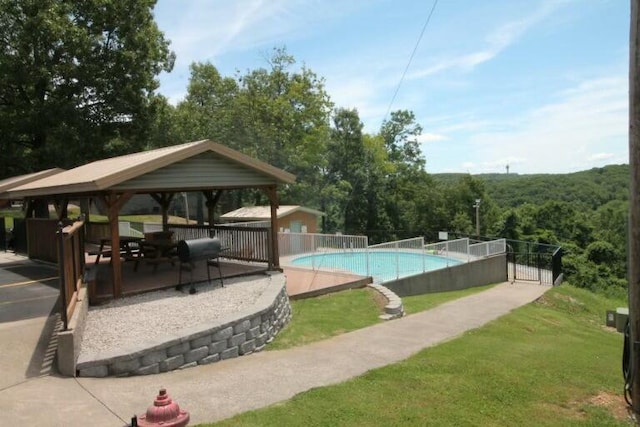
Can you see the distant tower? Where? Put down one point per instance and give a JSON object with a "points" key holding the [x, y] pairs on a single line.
{"points": [[507, 169]]}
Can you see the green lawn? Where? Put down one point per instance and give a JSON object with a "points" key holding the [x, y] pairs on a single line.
{"points": [[550, 363], [315, 319], [418, 303]]}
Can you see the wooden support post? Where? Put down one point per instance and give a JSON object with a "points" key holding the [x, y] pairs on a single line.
{"points": [[114, 203], [633, 252], [272, 194]]}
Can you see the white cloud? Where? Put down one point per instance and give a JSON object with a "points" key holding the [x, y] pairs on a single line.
{"points": [[431, 137], [370, 87], [602, 157], [570, 134], [207, 30], [494, 43], [203, 29]]}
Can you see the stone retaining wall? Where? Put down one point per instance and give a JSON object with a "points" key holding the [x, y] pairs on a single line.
{"points": [[394, 308], [245, 334]]}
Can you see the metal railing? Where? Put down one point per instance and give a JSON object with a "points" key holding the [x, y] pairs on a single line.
{"points": [[306, 243], [416, 243], [486, 249], [450, 249]]}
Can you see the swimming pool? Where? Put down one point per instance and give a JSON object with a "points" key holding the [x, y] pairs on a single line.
{"points": [[381, 265]]}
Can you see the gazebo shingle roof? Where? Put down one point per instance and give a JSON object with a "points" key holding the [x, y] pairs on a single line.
{"points": [[103, 174]]}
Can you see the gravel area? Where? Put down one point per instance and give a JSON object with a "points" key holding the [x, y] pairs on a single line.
{"points": [[128, 322]]}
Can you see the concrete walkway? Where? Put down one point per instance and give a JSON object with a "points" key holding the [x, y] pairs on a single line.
{"points": [[220, 390]]}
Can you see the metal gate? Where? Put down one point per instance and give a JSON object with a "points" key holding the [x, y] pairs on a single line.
{"points": [[533, 267], [534, 262]]}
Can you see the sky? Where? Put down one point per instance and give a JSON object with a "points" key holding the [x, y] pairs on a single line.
{"points": [[538, 85]]}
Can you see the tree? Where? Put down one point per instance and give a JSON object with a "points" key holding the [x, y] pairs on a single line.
{"points": [[209, 110], [163, 130], [461, 196], [76, 75], [600, 252], [347, 168], [508, 226], [461, 223], [283, 118], [400, 135]]}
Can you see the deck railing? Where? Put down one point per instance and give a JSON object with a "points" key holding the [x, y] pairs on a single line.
{"points": [[96, 231], [70, 241], [241, 243]]}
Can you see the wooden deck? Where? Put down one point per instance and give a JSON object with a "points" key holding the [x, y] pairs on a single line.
{"points": [[149, 277], [301, 282]]}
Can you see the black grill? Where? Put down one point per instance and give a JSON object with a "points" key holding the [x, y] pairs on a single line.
{"points": [[191, 251]]}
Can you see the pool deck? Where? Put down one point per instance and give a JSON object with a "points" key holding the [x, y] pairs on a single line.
{"points": [[306, 283]]}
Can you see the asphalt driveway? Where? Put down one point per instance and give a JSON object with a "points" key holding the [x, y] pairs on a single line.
{"points": [[27, 290], [28, 319]]}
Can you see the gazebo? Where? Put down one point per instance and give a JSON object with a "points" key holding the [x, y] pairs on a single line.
{"points": [[204, 166]]}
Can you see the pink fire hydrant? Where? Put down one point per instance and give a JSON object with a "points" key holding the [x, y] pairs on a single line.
{"points": [[164, 412]]}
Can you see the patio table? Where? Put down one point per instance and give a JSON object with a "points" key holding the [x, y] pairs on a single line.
{"points": [[129, 246], [156, 252]]}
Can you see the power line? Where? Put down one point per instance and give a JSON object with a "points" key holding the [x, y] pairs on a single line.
{"points": [[424, 28]]}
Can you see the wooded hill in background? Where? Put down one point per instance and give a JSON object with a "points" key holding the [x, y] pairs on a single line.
{"points": [[584, 212], [591, 188]]}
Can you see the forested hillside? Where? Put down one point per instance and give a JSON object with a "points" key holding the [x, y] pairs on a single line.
{"points": [[584, 212], [590, 188]]}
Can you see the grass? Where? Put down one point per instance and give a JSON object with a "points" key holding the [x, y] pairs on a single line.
{"points": [[315, 319], [549, 363], [417, 303]]}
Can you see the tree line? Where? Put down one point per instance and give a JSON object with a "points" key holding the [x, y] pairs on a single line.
{"points": [[584, 212]]}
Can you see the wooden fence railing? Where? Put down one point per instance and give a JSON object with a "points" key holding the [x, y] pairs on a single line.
{"points": [[242, 243], [70, 241], [96, 231], [40, 242]]}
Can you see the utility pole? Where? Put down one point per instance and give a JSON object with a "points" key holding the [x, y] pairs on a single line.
{"points": [[633, 253], [477, 206]]}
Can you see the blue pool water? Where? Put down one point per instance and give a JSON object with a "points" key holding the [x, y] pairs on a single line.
{"points": [[381, 265]]}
